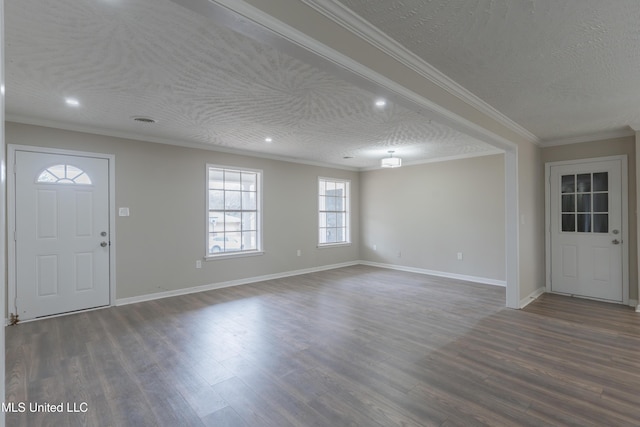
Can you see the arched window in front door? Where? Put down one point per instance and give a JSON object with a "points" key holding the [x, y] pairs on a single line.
{"points": [[64, 174]]}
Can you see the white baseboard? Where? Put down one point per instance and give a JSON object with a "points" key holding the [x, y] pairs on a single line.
{"points": [[209, 287], [634, 303], [474, 279], [532, 297]]}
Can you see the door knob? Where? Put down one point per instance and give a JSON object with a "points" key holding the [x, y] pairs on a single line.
{"points": [[615, 241], [104, 233], [103, 244]]}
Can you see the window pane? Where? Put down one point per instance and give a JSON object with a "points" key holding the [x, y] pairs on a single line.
{"points": [[584, 202], [584, 223], [568, 222], [322, 184], [601, 181], [232, 180], [340, 221], [83, 178], [331, 220], [58, 171], [232, 221], [248, 201], [331, 235], [323, 235], [568, 203], [323, 203], [249, 181], [331, 186], [323, 219], [215, 222], [216, 243], [73, 172], [216, 181], [46, 176], [601, 202], [584, 183], [233, 242], [340, 235], [600, 223], [249, 240], [248, 221], [232, 200], [331, 203], [568, 183], [216, 199]]}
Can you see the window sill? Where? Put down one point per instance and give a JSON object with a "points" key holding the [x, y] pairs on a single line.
{"points": [[332, 245], [232, 255]]}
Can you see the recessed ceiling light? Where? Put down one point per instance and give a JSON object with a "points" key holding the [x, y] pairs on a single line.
{"points": [[381, 103], [141, 119], [72, 102], [268, 139]]}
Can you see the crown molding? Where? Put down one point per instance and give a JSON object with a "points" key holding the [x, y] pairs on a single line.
{"points": [[179, 143], [598, 136], [348, 19]]}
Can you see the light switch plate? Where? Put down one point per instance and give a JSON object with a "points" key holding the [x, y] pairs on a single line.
{"points": [[123, 212]]}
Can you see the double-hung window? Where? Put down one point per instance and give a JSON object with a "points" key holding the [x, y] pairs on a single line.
{"points": [[233, 211], [333, 212]]}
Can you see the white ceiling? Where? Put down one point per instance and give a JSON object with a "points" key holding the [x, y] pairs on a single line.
{"points": [[558, 70]]}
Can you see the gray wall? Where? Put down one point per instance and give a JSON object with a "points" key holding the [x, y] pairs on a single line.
{"points": [[431, 212], [164, 187]]}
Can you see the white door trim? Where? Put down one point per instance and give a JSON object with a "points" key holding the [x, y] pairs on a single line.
{"points": [[625, 217], [11, 217]]}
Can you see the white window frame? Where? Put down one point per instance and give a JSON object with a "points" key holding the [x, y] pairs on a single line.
{"points": [[347, 211], [259, 242]]}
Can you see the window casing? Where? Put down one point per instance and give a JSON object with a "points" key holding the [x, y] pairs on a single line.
{"points": [[333, 212], [234, 217]]}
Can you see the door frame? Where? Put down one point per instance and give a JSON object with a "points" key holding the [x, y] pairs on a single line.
{"points": [[624, 189], [11, 221]]}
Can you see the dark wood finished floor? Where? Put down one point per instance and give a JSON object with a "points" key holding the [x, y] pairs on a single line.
{"points": [[357, 346]]}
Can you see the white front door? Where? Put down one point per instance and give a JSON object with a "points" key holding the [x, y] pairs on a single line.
{"points": [[62, 233], [586, 229]]}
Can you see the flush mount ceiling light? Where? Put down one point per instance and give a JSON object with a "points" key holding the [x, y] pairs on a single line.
{"points": [[141, 119], [381, 103], [72, 102], [268, 139], [391, 162]]}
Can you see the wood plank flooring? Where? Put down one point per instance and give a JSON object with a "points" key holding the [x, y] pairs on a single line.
{"points": [[357, 346]]}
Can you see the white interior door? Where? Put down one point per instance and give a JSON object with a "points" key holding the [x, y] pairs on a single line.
{"points": [[62, 233], [586, 229]]}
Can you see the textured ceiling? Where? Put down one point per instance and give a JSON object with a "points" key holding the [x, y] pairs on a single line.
{"points": [[204, 83], [560, 69]]}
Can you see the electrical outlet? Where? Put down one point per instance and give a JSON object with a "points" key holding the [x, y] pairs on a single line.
{"points": [[459, 256], [199, 263], [299, 252], [375, 247]]}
